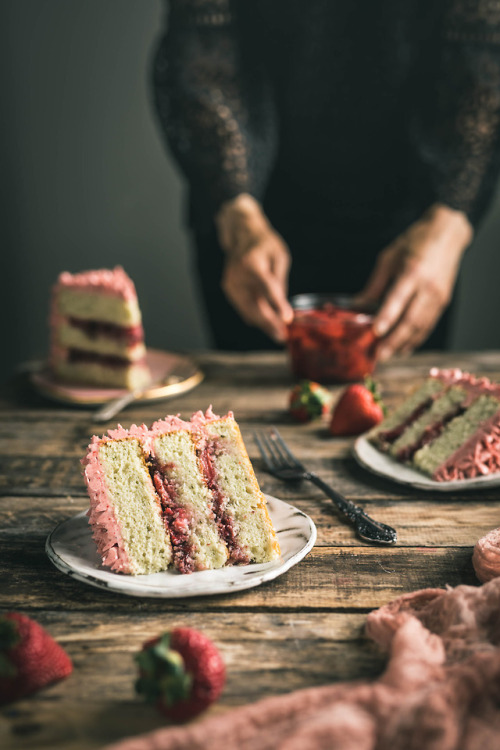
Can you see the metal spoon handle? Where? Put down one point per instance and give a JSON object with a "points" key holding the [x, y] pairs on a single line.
{"points": [[112, 408]]}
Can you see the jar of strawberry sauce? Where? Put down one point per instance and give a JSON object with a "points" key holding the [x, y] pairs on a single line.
{"points": [[330, 340]]}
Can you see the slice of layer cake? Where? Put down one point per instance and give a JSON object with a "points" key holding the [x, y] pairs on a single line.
{"points": [[446, 405], [186, 498], [97, 336], [125, 512], [180, 493], [449, 428], [394, 425], [468, 447], [240, 506]]}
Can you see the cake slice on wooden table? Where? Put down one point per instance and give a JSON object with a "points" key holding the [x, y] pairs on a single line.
{"points": [[181, 493], [97, 336]]}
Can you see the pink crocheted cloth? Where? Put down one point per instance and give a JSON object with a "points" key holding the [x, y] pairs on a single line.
{"points": [[440, 689]]}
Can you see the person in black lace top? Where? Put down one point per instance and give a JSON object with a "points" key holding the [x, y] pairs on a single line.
{"points": [[332, 147]]}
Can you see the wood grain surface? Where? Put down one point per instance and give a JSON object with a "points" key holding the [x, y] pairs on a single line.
{"points": [[305, 628]]}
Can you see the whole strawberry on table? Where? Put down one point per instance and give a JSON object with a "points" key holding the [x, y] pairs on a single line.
{"points": [[358, 409], [308, 400], [30, 658], [181, 672]]}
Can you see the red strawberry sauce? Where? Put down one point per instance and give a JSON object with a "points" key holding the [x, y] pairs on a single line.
{"points": [[329, 344], [224, 522], [390, 436], [176, 518], [110, 360], [94, 328], [431, 432]]}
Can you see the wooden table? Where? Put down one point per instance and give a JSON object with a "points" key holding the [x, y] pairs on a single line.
{"points": [[303, 629]]}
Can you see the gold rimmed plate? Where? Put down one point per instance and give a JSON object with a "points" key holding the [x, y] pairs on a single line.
{"points": [[171, 373]]}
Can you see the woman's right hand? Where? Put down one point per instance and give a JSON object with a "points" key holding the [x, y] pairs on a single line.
{"points": [[255, 276]]}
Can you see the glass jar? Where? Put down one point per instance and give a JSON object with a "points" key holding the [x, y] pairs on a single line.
{"points": [[330, 340]]}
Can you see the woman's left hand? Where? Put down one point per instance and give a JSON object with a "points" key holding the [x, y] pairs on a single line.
{"points": [[414, 278]]}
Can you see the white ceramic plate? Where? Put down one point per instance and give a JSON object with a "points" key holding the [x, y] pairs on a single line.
{"points": [[71, 548], [385, 466]]}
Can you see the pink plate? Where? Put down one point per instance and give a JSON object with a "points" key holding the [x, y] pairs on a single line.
{"points": [[171, 374]]}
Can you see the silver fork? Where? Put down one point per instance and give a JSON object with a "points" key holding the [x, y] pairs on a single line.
{"points": [[281, 462]]}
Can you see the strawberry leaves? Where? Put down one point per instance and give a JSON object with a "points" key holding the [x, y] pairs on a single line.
{"points": [[163, 675], [308, 400], [181, 673]]}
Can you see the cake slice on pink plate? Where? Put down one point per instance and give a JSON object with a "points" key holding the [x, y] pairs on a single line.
{"points": [[97, 337]]}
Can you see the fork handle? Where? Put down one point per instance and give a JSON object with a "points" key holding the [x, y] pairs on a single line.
{"points": [[366, 527], [347, 507]]}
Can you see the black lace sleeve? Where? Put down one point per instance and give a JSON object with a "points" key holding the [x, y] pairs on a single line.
{"points": [[459, 133], [219, 125]]}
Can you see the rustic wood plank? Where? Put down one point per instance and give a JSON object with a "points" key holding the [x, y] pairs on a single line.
{"points": [[60, 475], [334, 578], [440, 523]]}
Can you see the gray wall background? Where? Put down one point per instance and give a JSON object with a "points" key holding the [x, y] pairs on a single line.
{"points": [[86, 181]]}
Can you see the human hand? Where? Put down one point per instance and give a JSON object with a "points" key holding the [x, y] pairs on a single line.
{"points": [[255, 276], [414, 277]]}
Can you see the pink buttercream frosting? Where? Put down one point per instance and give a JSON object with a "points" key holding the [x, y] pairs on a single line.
{"points": [[105, 528], [170, 423], [486, 556], [471, 383], [478, 456], [199, 419], [114, 282]]}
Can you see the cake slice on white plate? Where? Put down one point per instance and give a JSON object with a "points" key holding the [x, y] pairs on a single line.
{"points": [[181, 494], [449, 428]]}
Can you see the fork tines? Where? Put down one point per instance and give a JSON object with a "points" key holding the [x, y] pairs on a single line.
{"points": [[275, 452]]}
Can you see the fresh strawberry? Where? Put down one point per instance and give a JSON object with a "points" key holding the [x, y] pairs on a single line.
{"points": [[309, 400], [181, 673], [358, 410], [30, 658]]}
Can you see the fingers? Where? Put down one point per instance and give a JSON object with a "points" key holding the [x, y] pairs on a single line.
{"points": [[275, 291], [256, 286], [415, 323], [395, 304], [270, 321], [380, 278], [256, 311]]}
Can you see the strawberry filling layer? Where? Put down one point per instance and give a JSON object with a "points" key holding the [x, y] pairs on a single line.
{"points": [[431, 432], [76, 356], [175, 517], [128, 335], [225, 523], [390, 436]]}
